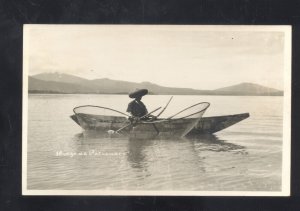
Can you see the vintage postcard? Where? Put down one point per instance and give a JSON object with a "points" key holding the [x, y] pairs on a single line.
{"points": [[156, 110]]}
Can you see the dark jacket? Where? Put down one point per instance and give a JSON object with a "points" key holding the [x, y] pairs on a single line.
{"points": [[137, 108]]}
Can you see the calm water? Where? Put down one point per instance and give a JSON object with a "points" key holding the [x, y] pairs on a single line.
{"points": [[244, 157]]}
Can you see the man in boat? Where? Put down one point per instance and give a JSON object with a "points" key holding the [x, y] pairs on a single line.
{"points": [[136, 107]]}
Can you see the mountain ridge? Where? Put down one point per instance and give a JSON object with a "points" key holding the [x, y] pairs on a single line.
{"points": [[248, 88], [69, 84]]}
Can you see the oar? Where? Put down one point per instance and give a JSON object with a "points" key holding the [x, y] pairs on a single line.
{"points": [[150, 113], [164, 108], [131, 122], [122, 128]]}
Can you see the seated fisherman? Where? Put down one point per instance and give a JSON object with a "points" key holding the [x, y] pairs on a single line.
{"points": [[136, 107]]}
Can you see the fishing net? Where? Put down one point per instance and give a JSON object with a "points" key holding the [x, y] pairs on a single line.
{"points": [[98, 110], [194, 111]]}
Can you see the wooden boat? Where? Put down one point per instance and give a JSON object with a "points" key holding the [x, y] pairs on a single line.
{"points": [[206, 125], [109, 122], [163, 127]]}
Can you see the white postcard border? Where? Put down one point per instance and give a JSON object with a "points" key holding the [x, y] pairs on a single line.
{"points": [[286, 149]]}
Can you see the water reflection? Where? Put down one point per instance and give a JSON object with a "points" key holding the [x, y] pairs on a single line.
{"points": [[137, 146], [210, 142], [137, 156], [159, 158]]}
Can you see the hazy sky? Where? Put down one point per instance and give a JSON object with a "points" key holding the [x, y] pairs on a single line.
{"points": [[177, 56]]}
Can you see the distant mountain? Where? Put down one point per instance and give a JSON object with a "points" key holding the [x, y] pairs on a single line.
{"points": [[64, 83], [60, 77], [248, 89], [41, 86]]}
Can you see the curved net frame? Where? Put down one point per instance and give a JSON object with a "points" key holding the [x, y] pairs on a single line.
{"points": [[194, 111], [98, 110]]}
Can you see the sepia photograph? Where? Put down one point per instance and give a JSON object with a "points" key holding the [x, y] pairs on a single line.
{"points": [[156, 110]]}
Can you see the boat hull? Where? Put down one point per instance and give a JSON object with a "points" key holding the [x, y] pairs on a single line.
{"points": [[160, 127], [179, 127], [210, 125]]}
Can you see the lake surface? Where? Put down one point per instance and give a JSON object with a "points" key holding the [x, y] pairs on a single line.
{"points": [[244, 157]]}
